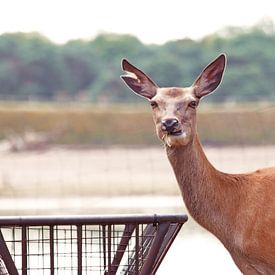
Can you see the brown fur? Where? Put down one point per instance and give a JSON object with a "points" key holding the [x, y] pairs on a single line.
{"points": [[239, 209], [173, 92]]}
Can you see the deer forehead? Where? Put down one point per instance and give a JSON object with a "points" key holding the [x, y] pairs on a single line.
{"points": [[174, 95]]}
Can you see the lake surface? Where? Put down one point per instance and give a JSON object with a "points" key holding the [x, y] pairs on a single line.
{"points": [[117, 181], [193, 252]]}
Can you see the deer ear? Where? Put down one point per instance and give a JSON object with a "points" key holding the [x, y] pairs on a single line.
{"points": [[211, 77], [138, 81]]}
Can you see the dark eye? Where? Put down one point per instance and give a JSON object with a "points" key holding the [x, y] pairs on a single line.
{"points": [[154, 104], [193, 104]]}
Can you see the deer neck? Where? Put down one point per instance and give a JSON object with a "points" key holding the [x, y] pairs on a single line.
{"points": [[205, 190]]}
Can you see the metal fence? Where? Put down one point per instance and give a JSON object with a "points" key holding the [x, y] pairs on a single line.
{"points": [[117, 244]]}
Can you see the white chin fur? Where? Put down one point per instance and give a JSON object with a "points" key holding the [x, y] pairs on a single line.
{"points": [[175, 140]]}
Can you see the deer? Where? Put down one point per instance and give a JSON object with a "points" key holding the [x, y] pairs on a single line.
{"points": [[239, 209]]}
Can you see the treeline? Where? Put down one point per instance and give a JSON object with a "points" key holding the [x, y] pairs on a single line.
{"points": [[34, 68]]}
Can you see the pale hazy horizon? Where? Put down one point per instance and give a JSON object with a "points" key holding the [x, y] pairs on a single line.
{"points": [[150, 21]]}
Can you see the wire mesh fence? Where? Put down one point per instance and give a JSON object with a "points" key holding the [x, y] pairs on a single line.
{"points": [[121, 244]]}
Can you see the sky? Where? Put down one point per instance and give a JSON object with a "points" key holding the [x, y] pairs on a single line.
{"points": [[152, 21]]}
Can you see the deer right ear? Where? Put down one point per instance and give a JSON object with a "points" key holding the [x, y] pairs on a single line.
{"points": [[138, 81]]}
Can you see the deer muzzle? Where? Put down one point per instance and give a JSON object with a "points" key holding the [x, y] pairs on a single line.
{"points": [[171, 126]]}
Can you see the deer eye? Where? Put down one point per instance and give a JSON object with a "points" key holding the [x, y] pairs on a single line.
{"points": [[153, 104], [193, 104]]}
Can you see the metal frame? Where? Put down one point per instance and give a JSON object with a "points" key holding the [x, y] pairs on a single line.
{"points": [[108, 244]]}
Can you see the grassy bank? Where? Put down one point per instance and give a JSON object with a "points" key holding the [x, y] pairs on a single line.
{"points": [[132, 125]]}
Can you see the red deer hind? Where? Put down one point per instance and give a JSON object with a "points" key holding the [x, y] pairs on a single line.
{"points": [[239, 209]]}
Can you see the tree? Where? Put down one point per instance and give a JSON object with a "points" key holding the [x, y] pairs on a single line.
{"points": [[34, 68]]}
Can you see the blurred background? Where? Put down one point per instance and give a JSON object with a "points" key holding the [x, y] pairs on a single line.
{"points": [[75, 140]]}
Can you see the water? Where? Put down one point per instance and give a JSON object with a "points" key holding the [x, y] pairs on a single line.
{"points": [[193, 252], [28, 178]]}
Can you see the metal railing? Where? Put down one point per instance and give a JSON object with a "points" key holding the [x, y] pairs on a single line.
{"points": [[116, 244]]}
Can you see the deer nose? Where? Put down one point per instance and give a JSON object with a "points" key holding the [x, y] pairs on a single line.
{"points": [[169, 125]]}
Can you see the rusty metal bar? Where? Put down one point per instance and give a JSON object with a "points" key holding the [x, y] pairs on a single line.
{"points": [[104, 248], [136, 248], [79, 249], [24, 250], [167, 242], [147, 237], [109, 249], [124, 241], [52, 250], [142, 249], [5, 255], [90, 220], [149, 263], [84, 238]]}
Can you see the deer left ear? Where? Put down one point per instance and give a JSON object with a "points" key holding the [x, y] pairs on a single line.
{"points": [[138, 81], [211, 77]]}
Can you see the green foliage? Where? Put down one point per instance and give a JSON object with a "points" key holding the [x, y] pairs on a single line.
{"points": [[34, 68]]}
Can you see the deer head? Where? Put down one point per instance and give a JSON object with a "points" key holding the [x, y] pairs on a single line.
{"points": [[174, 108]]}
